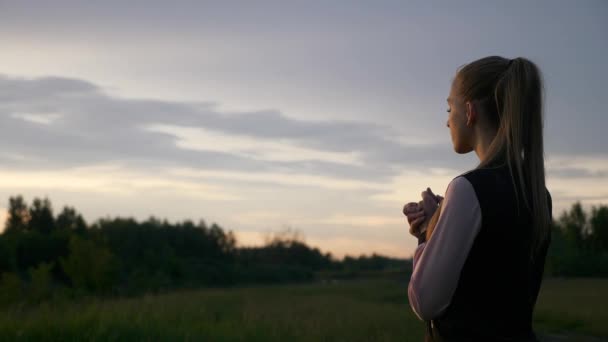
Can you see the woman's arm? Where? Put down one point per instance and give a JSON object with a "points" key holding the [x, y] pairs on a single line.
{"points": [[438, 262]]}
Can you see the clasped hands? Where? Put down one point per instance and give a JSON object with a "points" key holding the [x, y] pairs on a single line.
{"points": [[419, 213]]}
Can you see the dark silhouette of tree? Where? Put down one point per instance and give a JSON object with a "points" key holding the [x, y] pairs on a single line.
{"points": [[574, 225], [126, 257], [70, 219], [90, 265], [374, 262], [18, 215], [578, 244], [599, 228], [41, 216], [35, 247]]}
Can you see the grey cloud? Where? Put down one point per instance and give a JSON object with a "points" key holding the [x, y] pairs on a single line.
{"points": [[96, 127], [573, 172], [368, 54], [14, 90]]}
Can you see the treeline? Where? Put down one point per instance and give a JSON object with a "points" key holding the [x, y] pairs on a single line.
{"points": [[579, 245], [44, 255]]}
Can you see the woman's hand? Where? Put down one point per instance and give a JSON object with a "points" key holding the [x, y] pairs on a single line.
{"points": [[419, 213], [430, 202], [415, 217]]}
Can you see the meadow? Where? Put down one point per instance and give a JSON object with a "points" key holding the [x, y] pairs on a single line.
{"points": [[355, 310]]}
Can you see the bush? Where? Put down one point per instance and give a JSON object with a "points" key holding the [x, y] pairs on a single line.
{"points": [[11, 288], [89, 265], [40, 287]]}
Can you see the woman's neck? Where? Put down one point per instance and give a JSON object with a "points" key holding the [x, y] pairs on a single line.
{"points": [[483, 140]]}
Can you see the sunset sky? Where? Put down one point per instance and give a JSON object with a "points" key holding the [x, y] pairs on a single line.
{"points": [[322, 116]]}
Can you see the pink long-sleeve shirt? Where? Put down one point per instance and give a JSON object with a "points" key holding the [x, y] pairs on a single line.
{"points": [[438, 262]]}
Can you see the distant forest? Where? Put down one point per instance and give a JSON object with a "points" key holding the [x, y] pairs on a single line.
{"points": [[43, 255]]}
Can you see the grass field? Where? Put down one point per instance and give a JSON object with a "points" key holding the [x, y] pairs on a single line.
{"points": [[373, 310]]}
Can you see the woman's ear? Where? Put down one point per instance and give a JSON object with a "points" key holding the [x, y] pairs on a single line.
{"points": [[471, 113]]}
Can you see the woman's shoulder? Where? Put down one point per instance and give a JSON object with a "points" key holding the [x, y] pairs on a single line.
{"points": [[486, 174], [460, 187], [493, 169], [483, 182]]}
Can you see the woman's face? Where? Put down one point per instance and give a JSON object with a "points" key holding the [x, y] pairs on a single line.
{"points": [[457, 122]]}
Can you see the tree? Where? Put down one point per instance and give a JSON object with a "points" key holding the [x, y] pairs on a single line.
{"points": [[599, 228], [70, 219], [574, 225], [41, 216], [90, 266], [287, 236], [578, 247], [18, 215]]}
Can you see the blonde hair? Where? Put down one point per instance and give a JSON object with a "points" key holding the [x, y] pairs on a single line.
{"points": [[510, 95]]}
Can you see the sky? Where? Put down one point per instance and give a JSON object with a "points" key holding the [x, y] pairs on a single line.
{"points": [[323, 117]]}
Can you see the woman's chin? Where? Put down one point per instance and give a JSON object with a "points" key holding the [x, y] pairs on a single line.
{"points": [[462, 150]]}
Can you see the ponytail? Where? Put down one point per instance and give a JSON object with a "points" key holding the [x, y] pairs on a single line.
{"points": [[519, 98]]}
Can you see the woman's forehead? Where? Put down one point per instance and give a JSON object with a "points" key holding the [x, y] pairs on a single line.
{"points": [[453, 90]]}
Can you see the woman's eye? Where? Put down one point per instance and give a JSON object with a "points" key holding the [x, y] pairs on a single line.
{"points": [[448, 110]]}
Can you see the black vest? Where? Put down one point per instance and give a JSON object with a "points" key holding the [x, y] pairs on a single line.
{"points": [[499, 284]]}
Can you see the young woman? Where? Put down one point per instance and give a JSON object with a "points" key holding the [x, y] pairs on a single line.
{"points": [[482, 247]]}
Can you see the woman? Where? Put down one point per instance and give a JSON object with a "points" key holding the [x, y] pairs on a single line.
{"points": [[482, 247]]}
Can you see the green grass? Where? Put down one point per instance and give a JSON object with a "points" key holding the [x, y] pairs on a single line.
{"points": [[375, 310], [573, 305]]}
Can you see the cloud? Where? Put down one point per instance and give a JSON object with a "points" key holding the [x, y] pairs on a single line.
{"points": [[55, 123], [578, 166], [408, 185], [278, 178], [60, 122], [200, 139], [110, 179], [362, 220], [44, 119]]}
